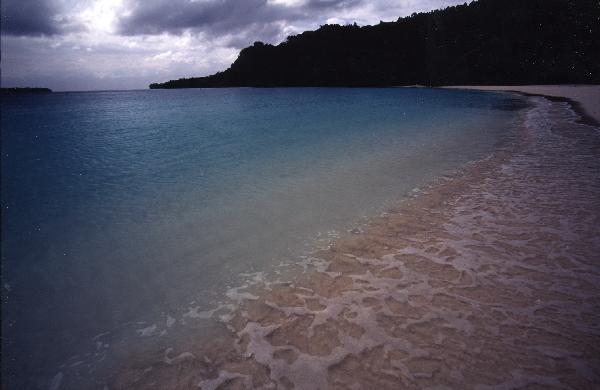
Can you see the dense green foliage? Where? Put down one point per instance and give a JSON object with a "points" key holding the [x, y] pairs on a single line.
{"points": [[484, 42]]}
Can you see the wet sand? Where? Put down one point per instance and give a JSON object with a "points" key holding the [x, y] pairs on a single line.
{"points": [[488, 278], [584, 98]]}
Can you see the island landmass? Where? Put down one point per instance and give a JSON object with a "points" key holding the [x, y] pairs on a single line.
{"points": [[20, 90], [485, 42]]}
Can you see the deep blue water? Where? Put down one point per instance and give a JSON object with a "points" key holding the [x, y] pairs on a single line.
{"points": [[123, 207]]}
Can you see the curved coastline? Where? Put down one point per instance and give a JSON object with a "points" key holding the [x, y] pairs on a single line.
{"points": [[369, 170], [582, 98], [488, 277]]}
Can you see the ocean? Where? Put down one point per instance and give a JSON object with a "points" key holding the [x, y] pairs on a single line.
{"points": [[128, 216]]}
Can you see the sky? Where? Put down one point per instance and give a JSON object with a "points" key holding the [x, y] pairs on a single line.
{"points": [[70, 45]]}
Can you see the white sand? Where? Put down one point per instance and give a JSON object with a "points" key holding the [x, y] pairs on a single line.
{"points": [[586, 95]]}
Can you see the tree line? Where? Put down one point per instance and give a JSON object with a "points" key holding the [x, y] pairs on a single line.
{"points": [[486, 42]]}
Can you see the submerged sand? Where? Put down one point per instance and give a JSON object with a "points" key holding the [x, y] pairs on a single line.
{"points": [[489, 278]]}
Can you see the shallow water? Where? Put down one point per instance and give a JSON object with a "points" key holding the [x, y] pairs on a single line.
{"points": [[129, 216], [490, 278]]}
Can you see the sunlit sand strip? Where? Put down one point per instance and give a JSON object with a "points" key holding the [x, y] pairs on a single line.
{"points": [[488, 279]]}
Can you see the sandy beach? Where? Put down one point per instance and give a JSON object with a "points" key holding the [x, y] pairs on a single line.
{"points": [[488, 278]]}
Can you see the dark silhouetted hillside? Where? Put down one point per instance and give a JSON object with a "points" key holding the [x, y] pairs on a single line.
{"points": [[484, 42]]}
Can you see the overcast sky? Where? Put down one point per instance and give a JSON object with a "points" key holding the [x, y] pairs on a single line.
{"points": [[127, 44]]}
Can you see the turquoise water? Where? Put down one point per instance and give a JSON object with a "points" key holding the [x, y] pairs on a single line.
{"points": [[125, 207]]}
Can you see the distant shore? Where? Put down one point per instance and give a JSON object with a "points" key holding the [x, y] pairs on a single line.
{"points": [[19, 90], [585, 99]]}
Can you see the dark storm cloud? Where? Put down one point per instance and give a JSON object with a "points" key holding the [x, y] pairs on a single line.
{"points": [[217, 17], [34, 18], [158, 16], [109, 44], [330, 4]]}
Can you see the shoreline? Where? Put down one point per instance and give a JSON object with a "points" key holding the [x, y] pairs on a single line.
{"points": [[485, 278], [584, 99]]}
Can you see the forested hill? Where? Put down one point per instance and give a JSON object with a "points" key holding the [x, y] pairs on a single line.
{"points": [[484, 42]]}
